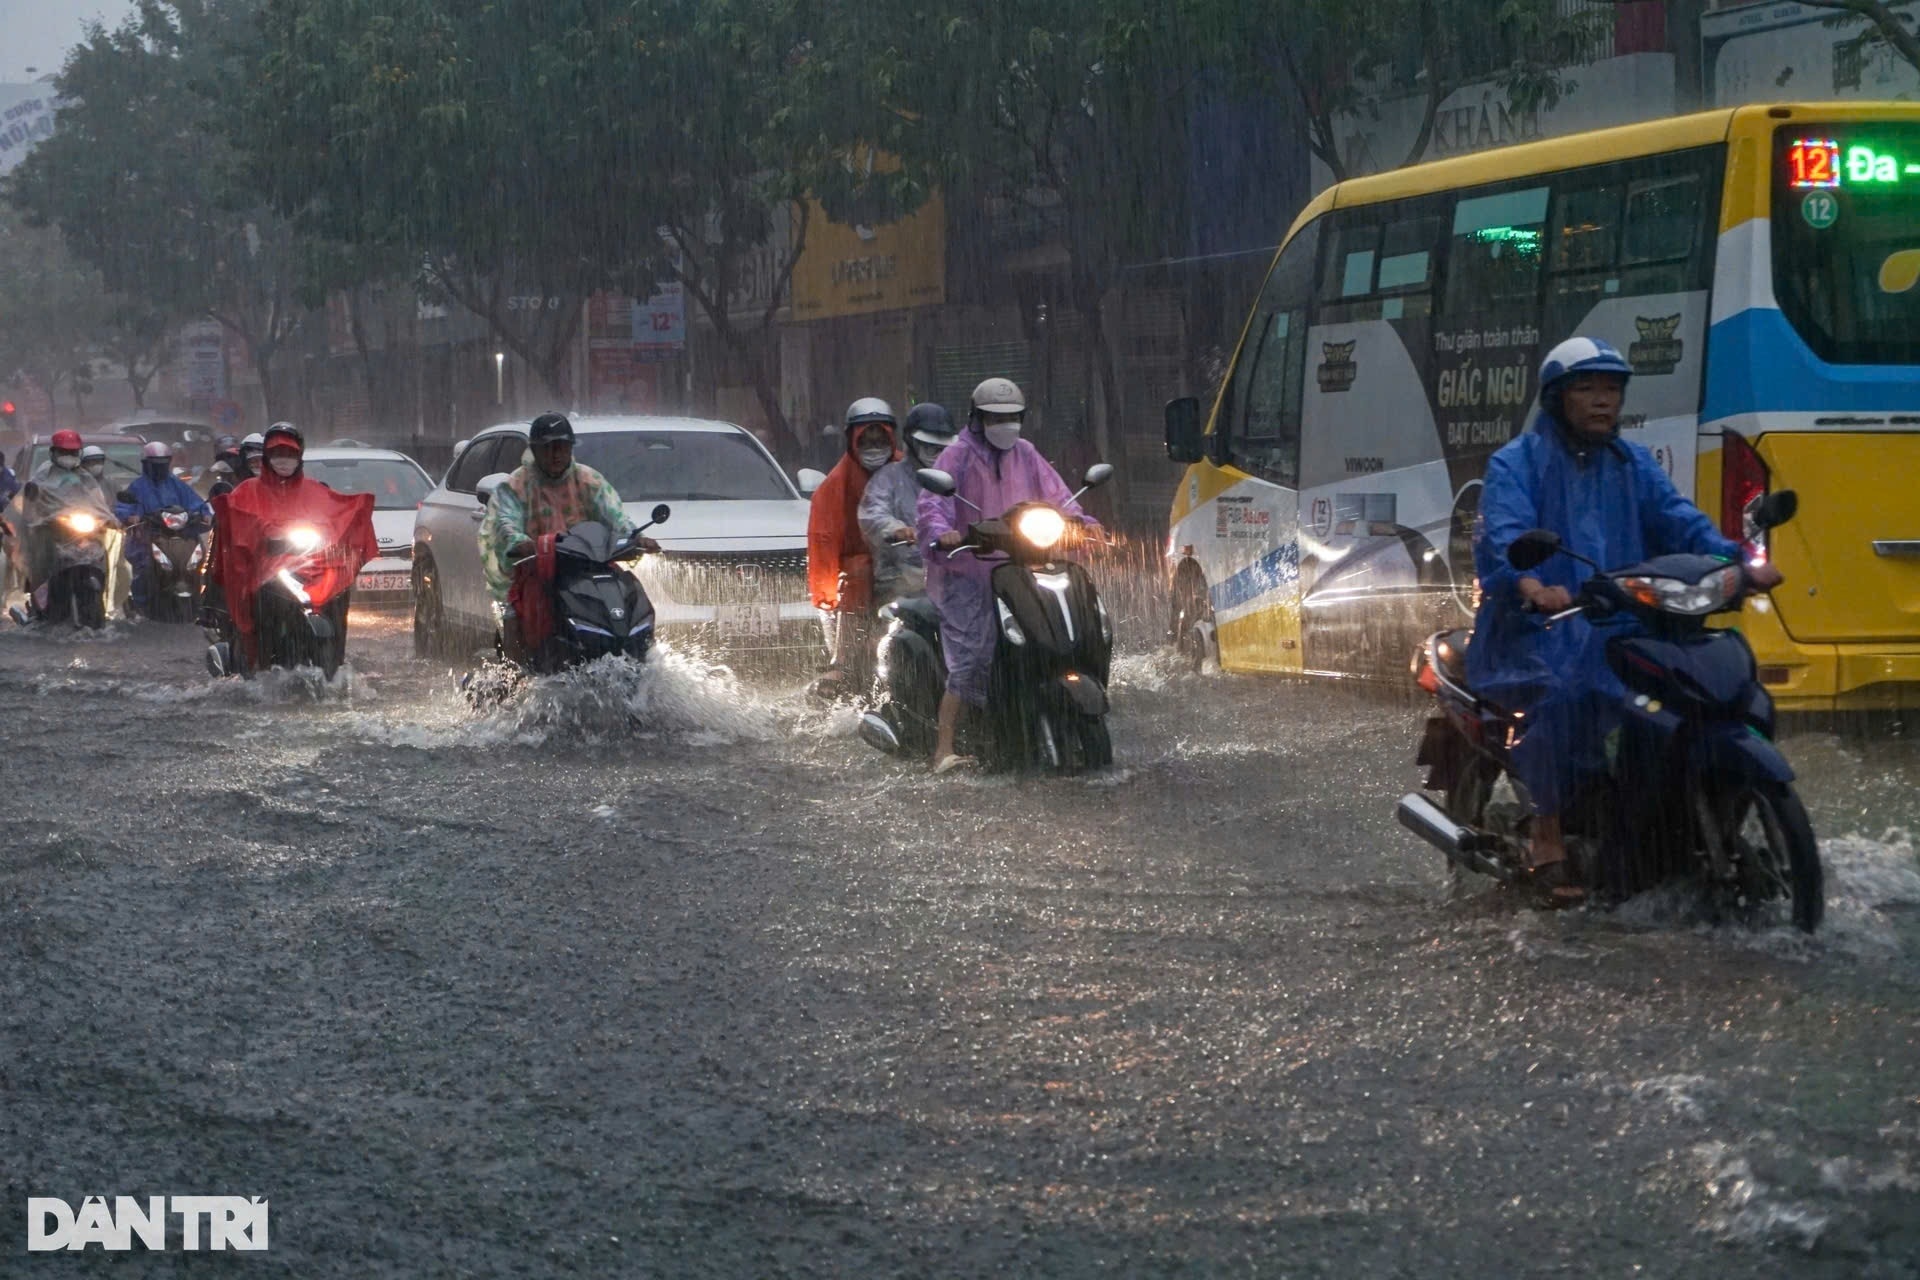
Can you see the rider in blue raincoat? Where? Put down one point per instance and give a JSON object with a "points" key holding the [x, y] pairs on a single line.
{"points": [[156, 489], [1610, 501]]}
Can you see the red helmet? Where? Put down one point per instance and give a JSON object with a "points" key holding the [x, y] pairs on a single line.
{"points": [[67, 440]]}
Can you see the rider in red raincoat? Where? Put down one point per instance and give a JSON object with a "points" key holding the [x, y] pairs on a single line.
{"points": [[259, 510]]}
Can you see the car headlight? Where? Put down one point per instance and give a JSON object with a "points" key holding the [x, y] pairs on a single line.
{"points": [[81, 522], [1670, 595], [304, 538], [1041, 527], [1007, 625]]}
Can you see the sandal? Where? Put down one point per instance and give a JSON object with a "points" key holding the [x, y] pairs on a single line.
{"points": [[1550, 880], [948, 763]]}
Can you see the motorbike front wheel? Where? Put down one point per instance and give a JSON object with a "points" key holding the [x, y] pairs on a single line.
{"points": [[1775, 855]]}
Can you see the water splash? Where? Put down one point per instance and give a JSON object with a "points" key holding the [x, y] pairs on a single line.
{"points": [[1745, 1210]]}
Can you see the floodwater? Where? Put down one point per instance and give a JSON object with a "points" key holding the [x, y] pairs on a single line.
{"points": [[658, 972]]}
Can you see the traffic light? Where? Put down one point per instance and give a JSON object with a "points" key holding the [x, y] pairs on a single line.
{"points": [[7, 410]]}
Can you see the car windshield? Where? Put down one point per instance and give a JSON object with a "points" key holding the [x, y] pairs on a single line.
{"points": [[395, 485], [682, 466]]}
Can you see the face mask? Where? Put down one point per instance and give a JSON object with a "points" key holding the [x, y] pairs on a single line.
{"points": [[284, 466], [1003, 435], [96, 468], [66, 461], [925, 455], [874, 459]]}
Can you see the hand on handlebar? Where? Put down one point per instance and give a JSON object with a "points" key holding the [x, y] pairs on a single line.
{"points": [[647, 545], [950, 540], [1764, 577], [520, 550], [1544, 599]]}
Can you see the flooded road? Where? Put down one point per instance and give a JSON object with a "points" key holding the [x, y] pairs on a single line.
{"points": [[664, 974]]}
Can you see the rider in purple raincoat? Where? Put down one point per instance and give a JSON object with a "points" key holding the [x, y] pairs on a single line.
{"points": [[994, 469]]}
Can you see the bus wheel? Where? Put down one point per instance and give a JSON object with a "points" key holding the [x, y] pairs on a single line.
{"points": [[1190, 618]]}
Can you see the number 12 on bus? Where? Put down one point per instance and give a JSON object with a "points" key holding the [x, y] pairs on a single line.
{"points": [[1760, 268]]}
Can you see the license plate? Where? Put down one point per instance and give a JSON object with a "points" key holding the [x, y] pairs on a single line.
{"points": [[748, 619], [383, 582]]}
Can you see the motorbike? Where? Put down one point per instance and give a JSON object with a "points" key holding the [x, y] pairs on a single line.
{"points": [[299, 618], [177, 541], [1696, 791], [1047, 690], [76, 590], [599, 608]]}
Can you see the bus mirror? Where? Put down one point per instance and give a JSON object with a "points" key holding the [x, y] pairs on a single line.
{"points": [[1186, 443], [1775, 509]]}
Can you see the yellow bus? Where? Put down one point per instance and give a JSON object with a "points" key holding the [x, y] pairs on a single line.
{"points": [[1759, 266]]}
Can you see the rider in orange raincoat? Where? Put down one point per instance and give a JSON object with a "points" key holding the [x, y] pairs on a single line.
{"points": [[839, 565], [262, 509]]}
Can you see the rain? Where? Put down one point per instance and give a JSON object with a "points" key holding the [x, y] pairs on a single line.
{"points": [[462, 901]]}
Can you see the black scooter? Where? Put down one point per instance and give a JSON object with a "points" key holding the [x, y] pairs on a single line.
{"points": [[1047, 691], [600, 609], [1697, 790], [177, 542]]}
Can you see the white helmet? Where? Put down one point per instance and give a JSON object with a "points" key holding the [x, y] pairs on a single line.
{"points": [[998, 395], [158, 449], [93, 453]]}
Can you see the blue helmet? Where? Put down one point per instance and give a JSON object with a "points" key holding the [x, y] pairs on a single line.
{"points": [[1574, 356]]}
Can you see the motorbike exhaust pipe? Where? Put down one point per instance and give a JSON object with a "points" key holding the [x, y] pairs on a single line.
{"points": [[1461, 844]]}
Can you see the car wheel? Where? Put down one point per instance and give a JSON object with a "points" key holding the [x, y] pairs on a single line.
{"points": [[429, 616]]}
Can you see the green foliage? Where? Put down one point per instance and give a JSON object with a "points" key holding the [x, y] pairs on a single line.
{"points": [[55, 309]]}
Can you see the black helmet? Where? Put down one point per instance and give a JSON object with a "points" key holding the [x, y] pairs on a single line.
{"points": [[284, 432], [550, 426], [930, 424]]}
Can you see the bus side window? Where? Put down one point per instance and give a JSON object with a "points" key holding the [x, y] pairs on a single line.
{"points": [[1264, 400], [1660, 252], [1496, 251], [1584, 259]]}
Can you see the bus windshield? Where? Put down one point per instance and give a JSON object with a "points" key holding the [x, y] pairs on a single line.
{"points": [[1846, 239]]}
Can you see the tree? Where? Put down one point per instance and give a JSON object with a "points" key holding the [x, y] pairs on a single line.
{"points": [[137, 338], [1343, 59], [54, 313], [1075, 109], [1880, 25], [143, 186], [533, 154]]}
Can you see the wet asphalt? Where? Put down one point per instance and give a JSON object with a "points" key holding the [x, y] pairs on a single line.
{"points": [[665, 974]]}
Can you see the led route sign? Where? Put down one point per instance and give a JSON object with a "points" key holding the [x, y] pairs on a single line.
{"points": [[1814, 163]]}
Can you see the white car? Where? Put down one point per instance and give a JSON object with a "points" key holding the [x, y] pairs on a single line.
{"points": [[734, 572], [398, 485]]}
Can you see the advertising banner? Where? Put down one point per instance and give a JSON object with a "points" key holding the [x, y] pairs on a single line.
{"points": [[851, 271]]}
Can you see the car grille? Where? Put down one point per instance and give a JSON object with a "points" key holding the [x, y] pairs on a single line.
{"points": [[727, 577]]}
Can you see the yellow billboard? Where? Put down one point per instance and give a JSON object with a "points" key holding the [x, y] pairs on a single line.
{"points": [[851, 271]]}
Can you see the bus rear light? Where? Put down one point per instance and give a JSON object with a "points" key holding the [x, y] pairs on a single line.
{"points": [[1744, 480]]}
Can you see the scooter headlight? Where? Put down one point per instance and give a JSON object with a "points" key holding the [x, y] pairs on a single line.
{"points": [[81, 522], [1692, 599], [1106, 623], [292, 584], [1041, 527], [162, 559], [304, 538], [199, 554], [1007, 625]]}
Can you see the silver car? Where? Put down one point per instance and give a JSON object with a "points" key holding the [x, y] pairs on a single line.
{"points": [[734, 572]]}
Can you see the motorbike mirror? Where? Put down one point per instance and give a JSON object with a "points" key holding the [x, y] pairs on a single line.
{"points": [[1097, 474], [1776, 509], [936, 481], [1533, 548], [661, 512], [126, 496], [484, 490]]}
